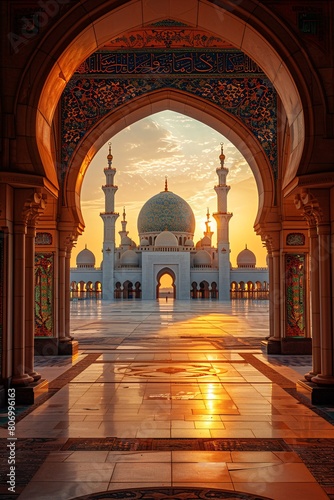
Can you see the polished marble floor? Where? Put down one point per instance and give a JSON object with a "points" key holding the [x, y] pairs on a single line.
{"points": [[174, 372]]}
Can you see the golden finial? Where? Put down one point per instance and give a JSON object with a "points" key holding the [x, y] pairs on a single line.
{"points": [[110, 156], [124, 213], [166, 185], [222, 156]]}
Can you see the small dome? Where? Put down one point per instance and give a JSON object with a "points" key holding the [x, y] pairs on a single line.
{"points": [[206, 242], [85, 258], [202, 258], [129, 258], [144, 242], [126, 241], [246, 258], [189, 243], [166, 239]]}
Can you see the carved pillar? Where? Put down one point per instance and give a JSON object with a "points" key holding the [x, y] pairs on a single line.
{"points": [[20, 377], [36, 209], [315, 206], [66, 242], [326, 377], [67, 290], [28, 202], [271, 301], [61, 294], [30, 302], [275, 296], [315, 302]]}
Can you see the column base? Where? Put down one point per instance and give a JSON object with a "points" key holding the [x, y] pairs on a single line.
{"points": [[21, 380], [288, 346], [323, 380], [28, 395], [68, 347], [317, 395], [309, 376], [46, 346], [296, 346], [64, 346], [272, 346], [36, 376]]}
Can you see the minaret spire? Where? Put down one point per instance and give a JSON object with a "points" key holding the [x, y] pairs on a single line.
{"points": [[208, 231], [109, 217], [222, 190], [222, 217], [124, 232]]}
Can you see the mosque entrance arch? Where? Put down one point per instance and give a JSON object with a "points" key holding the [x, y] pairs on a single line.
{"points": [[165, 287], [98, 27]]}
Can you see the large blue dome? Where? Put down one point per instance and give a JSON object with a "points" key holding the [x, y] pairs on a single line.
{"points": [[166, 210]]}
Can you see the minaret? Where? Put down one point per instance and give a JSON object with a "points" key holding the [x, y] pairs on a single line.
{"points": [[208, 231], [124, 232], [222, 218], [109, 218]]}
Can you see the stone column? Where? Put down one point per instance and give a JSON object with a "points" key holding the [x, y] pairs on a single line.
{"points": [[271, 301], [30, 301], [61, 294], [315, 304], [67, 292], [326, 377], [67, 346], [276, 297], [20, 377]]}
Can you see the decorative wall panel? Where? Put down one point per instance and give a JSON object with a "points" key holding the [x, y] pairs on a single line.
{"points": [[295, 294], [227, 78], [295, 239], [44, 278], [43, 239]]}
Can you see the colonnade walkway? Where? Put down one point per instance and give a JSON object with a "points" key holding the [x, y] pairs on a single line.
{"points": [[173, 394]]}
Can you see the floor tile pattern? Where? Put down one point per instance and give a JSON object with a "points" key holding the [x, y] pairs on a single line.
{"points": [[172, 494], [176, 395]]}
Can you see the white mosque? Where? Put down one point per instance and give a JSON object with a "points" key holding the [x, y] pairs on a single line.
{"points": [[166, 226]]}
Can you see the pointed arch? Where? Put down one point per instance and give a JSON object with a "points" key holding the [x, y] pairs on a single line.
{"points": [[160, 274]]}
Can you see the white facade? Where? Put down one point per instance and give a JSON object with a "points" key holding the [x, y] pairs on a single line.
{"points": [[166, 227]]}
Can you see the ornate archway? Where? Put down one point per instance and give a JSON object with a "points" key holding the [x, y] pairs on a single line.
{"points": [[32, 143], [96, 29], [160, 274]]}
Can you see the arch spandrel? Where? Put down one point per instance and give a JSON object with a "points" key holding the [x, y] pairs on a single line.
{"points": [[100, 26]]}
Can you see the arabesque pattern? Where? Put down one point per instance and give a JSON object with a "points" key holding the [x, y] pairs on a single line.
{"points": [[228, 79], [44, 269], [295, 294]]}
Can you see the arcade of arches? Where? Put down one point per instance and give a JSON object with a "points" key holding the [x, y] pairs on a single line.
{"points": [[74, 73]]}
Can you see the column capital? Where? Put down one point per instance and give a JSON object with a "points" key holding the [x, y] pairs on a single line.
{"points": [[67, 240], [271, 241], [29, 205], [314, 204]]}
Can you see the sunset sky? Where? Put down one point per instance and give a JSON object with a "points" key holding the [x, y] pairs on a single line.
{"points": [[187, 152]]}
